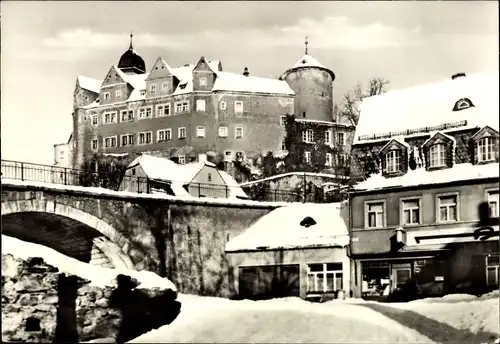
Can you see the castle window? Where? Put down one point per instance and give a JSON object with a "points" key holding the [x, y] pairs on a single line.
{"points": [[95, 120], [328, 159], [110, 142], [182, 159], [164, 135], [223, 131], [163, 110], [223, 105], [110, 117], [283, 144], [209, 177], [493, 202], [181, 133], [185, 106], [127, 140], [164, 87], [200, 131], [238, 107], [238, 133], [203, 81], [95, 144], [145, 138], [463, 104], [152, 89], [341, 159], [437, 155], [118, 94], [307, 157], [200, 105], [143, 92], [283, 121], [107, 95], [308, 136], [328, 137], [393, 161], [341, 139], [228, 155], [127, 115], [145, 112], [486, 149], [239, 156]]}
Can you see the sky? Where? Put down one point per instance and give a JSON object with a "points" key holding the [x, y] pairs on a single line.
{"points": [[46, 45]]}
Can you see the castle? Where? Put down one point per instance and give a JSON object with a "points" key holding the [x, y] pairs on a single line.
{"points": [[190, 111]]}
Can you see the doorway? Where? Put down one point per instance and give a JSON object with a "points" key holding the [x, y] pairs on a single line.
{"points": [[401, 275]]}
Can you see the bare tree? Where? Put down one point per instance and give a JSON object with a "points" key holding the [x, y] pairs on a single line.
{"points": [[349, 108]]}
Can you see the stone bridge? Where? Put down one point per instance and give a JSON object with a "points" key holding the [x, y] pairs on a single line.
{"points": [[182, 239]]}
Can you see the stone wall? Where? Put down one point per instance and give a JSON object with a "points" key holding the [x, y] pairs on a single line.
{"points": [[40, 304], [184, 241]]}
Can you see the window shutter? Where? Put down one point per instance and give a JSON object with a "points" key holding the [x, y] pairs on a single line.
{"points": [[426, 157], [473, 151], [449, 154], [383, 158], [404, 160]]}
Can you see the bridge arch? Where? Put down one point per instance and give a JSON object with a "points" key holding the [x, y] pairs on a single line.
{"points": [[90, 234]]}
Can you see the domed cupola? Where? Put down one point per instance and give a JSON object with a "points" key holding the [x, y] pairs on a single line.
{"points": [[131, 62]]}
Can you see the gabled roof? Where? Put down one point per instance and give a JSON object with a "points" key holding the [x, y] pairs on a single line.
{"points": [[399, 140], [432, 105], [239, 83], [284, 228], [234, 188], [89, 84], [438, 133]]}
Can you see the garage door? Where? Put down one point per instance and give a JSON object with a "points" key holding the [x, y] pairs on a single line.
{"points": [[271, 281]]}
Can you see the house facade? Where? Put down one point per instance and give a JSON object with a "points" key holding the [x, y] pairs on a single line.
{"points": [[297, 250], [153, 174], [424, 220], [192, 109]]}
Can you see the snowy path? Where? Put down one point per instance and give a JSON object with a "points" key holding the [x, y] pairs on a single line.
{"points": [[214, 320]]}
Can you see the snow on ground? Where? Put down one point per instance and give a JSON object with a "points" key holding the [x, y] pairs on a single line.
{"points": [[98, 276], [216, 320]]}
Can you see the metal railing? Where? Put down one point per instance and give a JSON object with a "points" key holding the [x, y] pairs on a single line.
{"points": [[120, 182]]}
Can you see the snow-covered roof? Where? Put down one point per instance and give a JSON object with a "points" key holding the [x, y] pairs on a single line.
{"points": [[89, 84], [234, 188], [436, 133], [420, 176], [328, 123], [307, 61], [398, 139], [432, 105], [281, 228], [240, 83]]}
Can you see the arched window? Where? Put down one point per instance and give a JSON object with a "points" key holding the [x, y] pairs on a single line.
{"points": [[437, 155], [393, 161], [486, 149]]}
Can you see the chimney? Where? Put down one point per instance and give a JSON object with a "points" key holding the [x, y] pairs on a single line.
{"points": [[458, 75], [245, 72]]}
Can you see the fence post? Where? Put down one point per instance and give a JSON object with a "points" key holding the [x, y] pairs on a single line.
{"points": [[138, 184], [199, 191], [227, 195], [65, 176], [147, 185], [22, 171], [275, 195]]}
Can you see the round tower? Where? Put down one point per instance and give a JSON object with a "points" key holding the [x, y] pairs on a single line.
{"points": [[313, 86]]}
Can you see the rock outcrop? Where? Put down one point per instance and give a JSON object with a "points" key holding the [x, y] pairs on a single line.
{"points": [[42, 304]]}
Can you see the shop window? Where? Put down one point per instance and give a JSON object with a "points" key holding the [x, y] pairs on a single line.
{"points": [[492, 270], [376, 279], [324, 278]]}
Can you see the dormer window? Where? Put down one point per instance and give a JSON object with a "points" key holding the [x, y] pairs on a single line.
{"points": [[393, 161], [486, 149], [463, 104], [437, 155]]}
